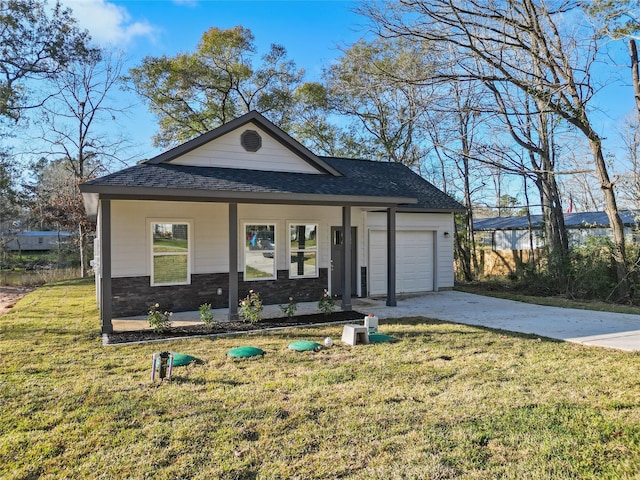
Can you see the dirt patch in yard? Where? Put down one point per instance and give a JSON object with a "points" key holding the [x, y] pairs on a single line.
{"points": [[9, 296]]}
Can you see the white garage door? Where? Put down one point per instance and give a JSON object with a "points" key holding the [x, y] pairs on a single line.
{"points": [[414, 262]]}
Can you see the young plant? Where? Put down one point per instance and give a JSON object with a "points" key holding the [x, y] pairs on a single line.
{"points": [[159, 321], [206, 315], [290, 308], [326, 303], [251, 307]]}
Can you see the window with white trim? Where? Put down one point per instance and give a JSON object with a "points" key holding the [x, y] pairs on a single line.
{"points": [[170, 259], [303, 250], [260, 251]]}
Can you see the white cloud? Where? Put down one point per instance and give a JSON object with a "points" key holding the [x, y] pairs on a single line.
{"points": [[108, 23]]}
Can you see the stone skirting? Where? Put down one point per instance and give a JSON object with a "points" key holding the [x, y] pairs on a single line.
{"points": [[133, 295], [363, 282]]}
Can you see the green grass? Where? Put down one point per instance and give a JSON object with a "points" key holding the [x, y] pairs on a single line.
{"points": [[445, 401]]}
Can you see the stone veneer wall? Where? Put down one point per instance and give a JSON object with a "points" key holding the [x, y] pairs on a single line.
{"points": [[133, 295], [363, 282]]}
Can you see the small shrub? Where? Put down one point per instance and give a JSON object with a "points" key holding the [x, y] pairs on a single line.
{"points": [[290, 308], [593, 274], [205, 314], [158, 320], [251, 307], [326, 303]]}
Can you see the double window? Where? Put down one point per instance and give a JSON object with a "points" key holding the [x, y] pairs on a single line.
{"points": [[261, 252], [170, 259]]}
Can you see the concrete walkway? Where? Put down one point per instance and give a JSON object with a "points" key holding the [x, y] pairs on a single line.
{"points": [[603, 329]]}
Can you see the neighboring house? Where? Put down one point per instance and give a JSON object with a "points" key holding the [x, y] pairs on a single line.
{"points": [[34, 241], [290, 223], [512, 233]]}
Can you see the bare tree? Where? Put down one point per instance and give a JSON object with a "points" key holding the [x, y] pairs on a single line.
{"points": [[73, 130], [581, 186], [453, 122], [532, 128], [630, 180], [492, 39]]}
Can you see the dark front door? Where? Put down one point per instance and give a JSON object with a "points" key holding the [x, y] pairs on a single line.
{"points": [[337, 249]]}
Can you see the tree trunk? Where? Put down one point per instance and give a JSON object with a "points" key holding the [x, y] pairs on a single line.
{"points": [[611, 208], [472, 257], [553, 216], [532, 250], [635, 72], [463, 251], [469, 248]]}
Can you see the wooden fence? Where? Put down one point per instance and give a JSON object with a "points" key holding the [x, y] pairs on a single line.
{"points": [[497, 263]]}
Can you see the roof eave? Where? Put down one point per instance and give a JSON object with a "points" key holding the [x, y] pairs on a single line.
{"points": [[431, 210], [91, 193]]}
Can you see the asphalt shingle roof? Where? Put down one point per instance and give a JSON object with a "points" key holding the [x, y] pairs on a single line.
{"points": [[360, 178]]}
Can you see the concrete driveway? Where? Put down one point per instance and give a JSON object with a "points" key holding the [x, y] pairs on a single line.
{"points": [[603, 329]]}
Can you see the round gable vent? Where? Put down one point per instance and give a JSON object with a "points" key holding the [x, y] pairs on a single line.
{"points": [[251, 140]]}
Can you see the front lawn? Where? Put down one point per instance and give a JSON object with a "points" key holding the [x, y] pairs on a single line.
{"points": [[445, 401]]}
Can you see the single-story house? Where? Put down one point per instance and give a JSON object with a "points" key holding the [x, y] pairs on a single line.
{"points": [[246, 207], [34, 240], [512, 233]]}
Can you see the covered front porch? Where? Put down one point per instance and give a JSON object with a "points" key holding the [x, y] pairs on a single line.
{"points": [[110, 287]]}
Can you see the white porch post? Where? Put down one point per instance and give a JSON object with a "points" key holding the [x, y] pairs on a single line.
{"points": [[233, 261]]}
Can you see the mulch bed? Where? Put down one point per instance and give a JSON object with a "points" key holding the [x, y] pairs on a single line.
{"points": [[231, 327]]}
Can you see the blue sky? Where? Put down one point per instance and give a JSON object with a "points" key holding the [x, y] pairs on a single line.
{"points": [[311, 32]]}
